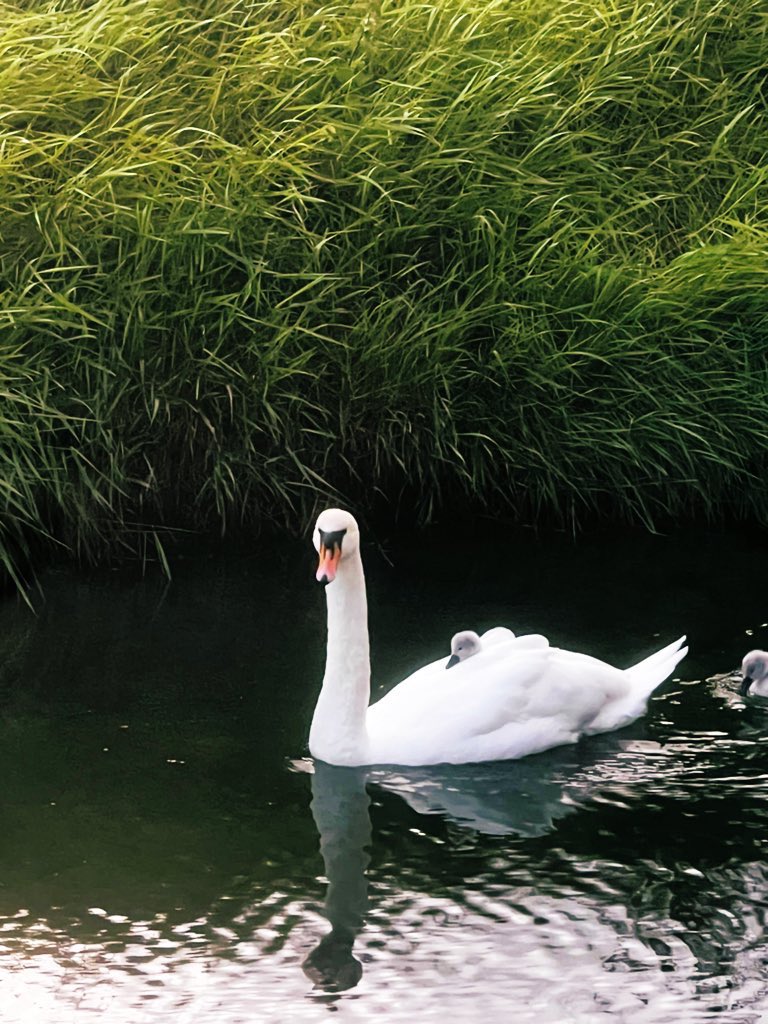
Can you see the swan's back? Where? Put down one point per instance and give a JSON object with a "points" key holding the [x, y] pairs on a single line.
{"points": [[429, 717], [514, 698]]}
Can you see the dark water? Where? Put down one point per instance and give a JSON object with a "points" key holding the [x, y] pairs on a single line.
{"points": [[160, 857]]}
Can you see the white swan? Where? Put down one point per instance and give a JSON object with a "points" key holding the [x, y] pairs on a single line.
{"points": [[754, 671], [517, 697]]}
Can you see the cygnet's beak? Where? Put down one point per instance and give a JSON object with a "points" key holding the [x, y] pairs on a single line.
{"points": [[453, 660], [328, 564], [746, 682]]}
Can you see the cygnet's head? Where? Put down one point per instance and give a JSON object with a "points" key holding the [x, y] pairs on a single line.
{"points": [[754, 669], [463, 646], [336, 537]]}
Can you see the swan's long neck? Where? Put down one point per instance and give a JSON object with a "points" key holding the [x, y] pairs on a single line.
{"points": [[338, 733]]}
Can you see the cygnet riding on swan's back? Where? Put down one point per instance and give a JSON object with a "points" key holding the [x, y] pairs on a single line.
{"points": [[517, 696], [754, 671], [464, 645], [467, 643]]}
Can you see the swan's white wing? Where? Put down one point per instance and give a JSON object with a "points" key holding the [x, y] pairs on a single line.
{"points": [[497, 635], [530, 641], [517, 697], [430, 717], [491, 707], [454, 716]]}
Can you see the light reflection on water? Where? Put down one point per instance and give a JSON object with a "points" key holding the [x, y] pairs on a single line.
{"points": [[166, 854]]}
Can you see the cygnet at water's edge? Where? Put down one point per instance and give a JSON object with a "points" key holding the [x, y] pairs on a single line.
{"points": [[754, 670]]}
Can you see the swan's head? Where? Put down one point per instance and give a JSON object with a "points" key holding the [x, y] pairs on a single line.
{"points": [[754, 669], [336, 538], [463, 646]]}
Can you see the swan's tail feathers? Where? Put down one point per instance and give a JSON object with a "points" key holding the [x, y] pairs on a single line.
{"points": [[643, 679], [646, 675]]}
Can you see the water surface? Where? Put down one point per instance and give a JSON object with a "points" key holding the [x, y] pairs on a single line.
{"points": [[168, 854]]}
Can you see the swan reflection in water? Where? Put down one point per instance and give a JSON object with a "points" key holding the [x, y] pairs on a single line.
{"points": [[340, 805], [517, 798]]}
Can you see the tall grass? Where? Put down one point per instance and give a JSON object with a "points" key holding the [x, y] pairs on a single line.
{"points": [[505, 255]]}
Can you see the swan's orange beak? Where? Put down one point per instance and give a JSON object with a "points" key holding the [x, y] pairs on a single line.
{"points": [[329, 563]]}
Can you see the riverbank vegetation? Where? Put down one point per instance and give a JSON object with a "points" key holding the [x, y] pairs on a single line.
{"points": [[509, 256]]}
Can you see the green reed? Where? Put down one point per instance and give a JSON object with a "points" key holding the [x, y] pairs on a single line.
{"points": [[423, 256]]}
